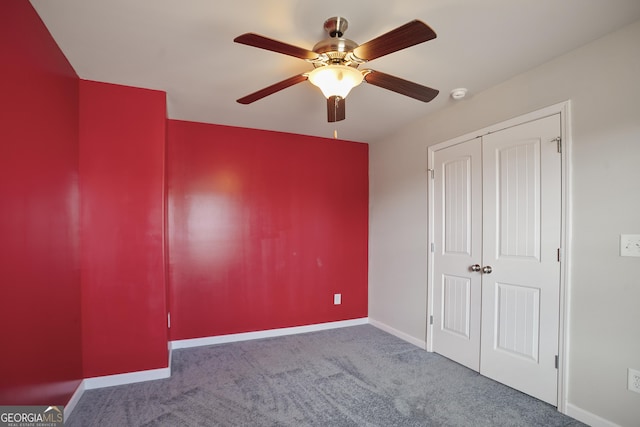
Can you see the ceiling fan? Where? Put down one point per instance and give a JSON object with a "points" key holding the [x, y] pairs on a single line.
{"points": [[336, 60]]}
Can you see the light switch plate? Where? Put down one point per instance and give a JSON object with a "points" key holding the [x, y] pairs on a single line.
{"points": [[630, 245], [337, 299]]}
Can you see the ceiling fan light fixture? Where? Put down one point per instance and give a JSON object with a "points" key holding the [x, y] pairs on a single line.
{"points": [[335, 80]]}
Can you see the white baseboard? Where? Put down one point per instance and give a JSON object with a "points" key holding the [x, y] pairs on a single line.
{"points": [[128, 378], [246, 336], [75, 398], [112, 380], [587, 417], [408, 338]]}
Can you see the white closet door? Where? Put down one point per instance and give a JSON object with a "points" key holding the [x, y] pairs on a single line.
{"points": [[521, 240], [458, 245]]}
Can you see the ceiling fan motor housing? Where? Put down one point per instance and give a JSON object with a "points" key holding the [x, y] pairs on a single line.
{"points": [[335, 48]]}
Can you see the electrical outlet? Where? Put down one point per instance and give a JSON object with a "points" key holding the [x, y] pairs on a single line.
{"points": [[337, 299], [634, 380], [630, 245]]}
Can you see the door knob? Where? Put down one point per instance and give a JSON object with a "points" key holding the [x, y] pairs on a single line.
{"points": [[475, 267], [487, 269]]}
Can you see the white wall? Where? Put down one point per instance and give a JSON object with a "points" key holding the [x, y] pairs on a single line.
{"points": [[602, 80]]}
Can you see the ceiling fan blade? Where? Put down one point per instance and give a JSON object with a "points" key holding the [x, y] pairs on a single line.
{"points": [[262, 42], [404, 87], [272, 89], [409, 34], [335, 109]]}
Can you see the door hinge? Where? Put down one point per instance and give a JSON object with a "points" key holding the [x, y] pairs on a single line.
{"points": [[558, 141], [431, 320], [433, 247], [431, 173], [558, 254], [169, 320], [556, 361]]}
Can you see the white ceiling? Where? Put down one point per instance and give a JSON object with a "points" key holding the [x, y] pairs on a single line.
{"points": [[186, 48]]}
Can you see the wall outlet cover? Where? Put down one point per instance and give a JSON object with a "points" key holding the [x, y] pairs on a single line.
{"points": [[337, 299], [630, 245], [634, 380]]}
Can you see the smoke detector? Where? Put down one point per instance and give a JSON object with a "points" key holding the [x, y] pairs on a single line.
{"points": [[458, 93]]}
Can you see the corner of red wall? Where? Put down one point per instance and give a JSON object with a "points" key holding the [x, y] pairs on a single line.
{"points": [[122, 160], [41, 361]]}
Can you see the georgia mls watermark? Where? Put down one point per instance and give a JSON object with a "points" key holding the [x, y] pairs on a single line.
{"points": [[31, 416]]}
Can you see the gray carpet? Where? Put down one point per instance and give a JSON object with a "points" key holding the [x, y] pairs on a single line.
{"points": [[356, 376]]}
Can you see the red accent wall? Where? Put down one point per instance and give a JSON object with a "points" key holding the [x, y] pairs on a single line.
{"points": [[40, 339], [264, 228], [122, 139]]}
